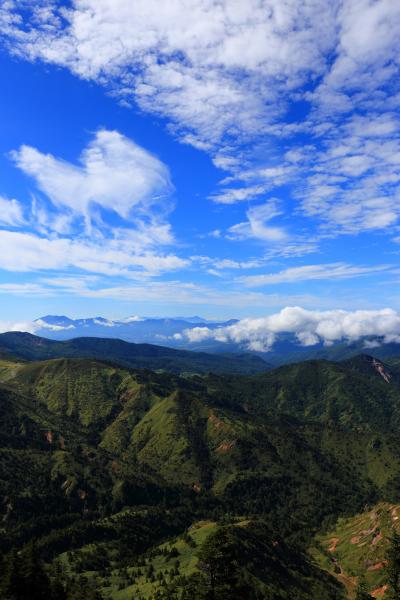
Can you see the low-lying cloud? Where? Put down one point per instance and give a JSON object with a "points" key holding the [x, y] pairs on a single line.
{"points": [[309, 327]]}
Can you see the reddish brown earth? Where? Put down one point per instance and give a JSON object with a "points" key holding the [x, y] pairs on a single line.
{"points": [[379, 592], [225, 446], [378, 566], [377, 539], [334, 543], [217, 423]]}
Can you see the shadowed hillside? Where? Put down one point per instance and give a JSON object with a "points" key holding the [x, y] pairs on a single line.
{"points": [[30, 347]]}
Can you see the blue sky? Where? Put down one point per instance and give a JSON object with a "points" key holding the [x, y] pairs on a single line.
{"points": [[198, 157]]}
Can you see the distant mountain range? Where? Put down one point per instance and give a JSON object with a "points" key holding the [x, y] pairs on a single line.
{"points": [[169, 332], [155, 330]]}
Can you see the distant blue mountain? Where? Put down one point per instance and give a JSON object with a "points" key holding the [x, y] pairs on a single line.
{"points": [[155, 330]]}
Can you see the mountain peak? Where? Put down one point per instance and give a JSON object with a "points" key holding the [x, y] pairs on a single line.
{"points": [[54, 319], [364, 363]]}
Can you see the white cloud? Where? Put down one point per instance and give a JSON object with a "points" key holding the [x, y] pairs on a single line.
{"points": [[25, 326], [311, 273], [215, 68], [293, 248], [367, 45], [184, 59], [25, 289], [258, 182], [11, 212], [132, 319], [40, 324], [34, 253], [157, 293], [310, 327], [114, 173], [232, 195], [257, 226], [227, 263], [225, 74], [352, 180], [72, 232]]}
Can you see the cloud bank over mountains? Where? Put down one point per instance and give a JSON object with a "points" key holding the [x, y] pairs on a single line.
{"points": [[309, 327], [304, 327]]}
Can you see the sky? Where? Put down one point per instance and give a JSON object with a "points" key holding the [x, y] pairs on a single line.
{"points": [[212, 157]]}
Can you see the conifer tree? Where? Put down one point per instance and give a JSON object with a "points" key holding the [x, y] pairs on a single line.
{"points": [[12, 585], [393, 567], [36, 581], [362, 590], [24, 577]]}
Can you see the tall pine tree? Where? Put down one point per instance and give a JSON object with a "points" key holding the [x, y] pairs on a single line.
{"points": [[393, 567], [24, 577], [362, 590]]}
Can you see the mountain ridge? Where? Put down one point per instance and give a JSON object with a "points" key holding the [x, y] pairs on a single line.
{"points": [[30, 347]]}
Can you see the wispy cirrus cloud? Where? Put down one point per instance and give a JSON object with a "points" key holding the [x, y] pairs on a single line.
{"points": [[67, 227], [32, 252], [168, 292], [321, 272], [11, 212], [114, 174], [258, 225]]}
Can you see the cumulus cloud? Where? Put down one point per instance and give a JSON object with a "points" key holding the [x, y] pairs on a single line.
{"points": [[309, 327]]}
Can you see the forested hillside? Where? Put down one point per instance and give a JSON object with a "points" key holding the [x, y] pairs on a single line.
{"points": [[127, 483]]}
